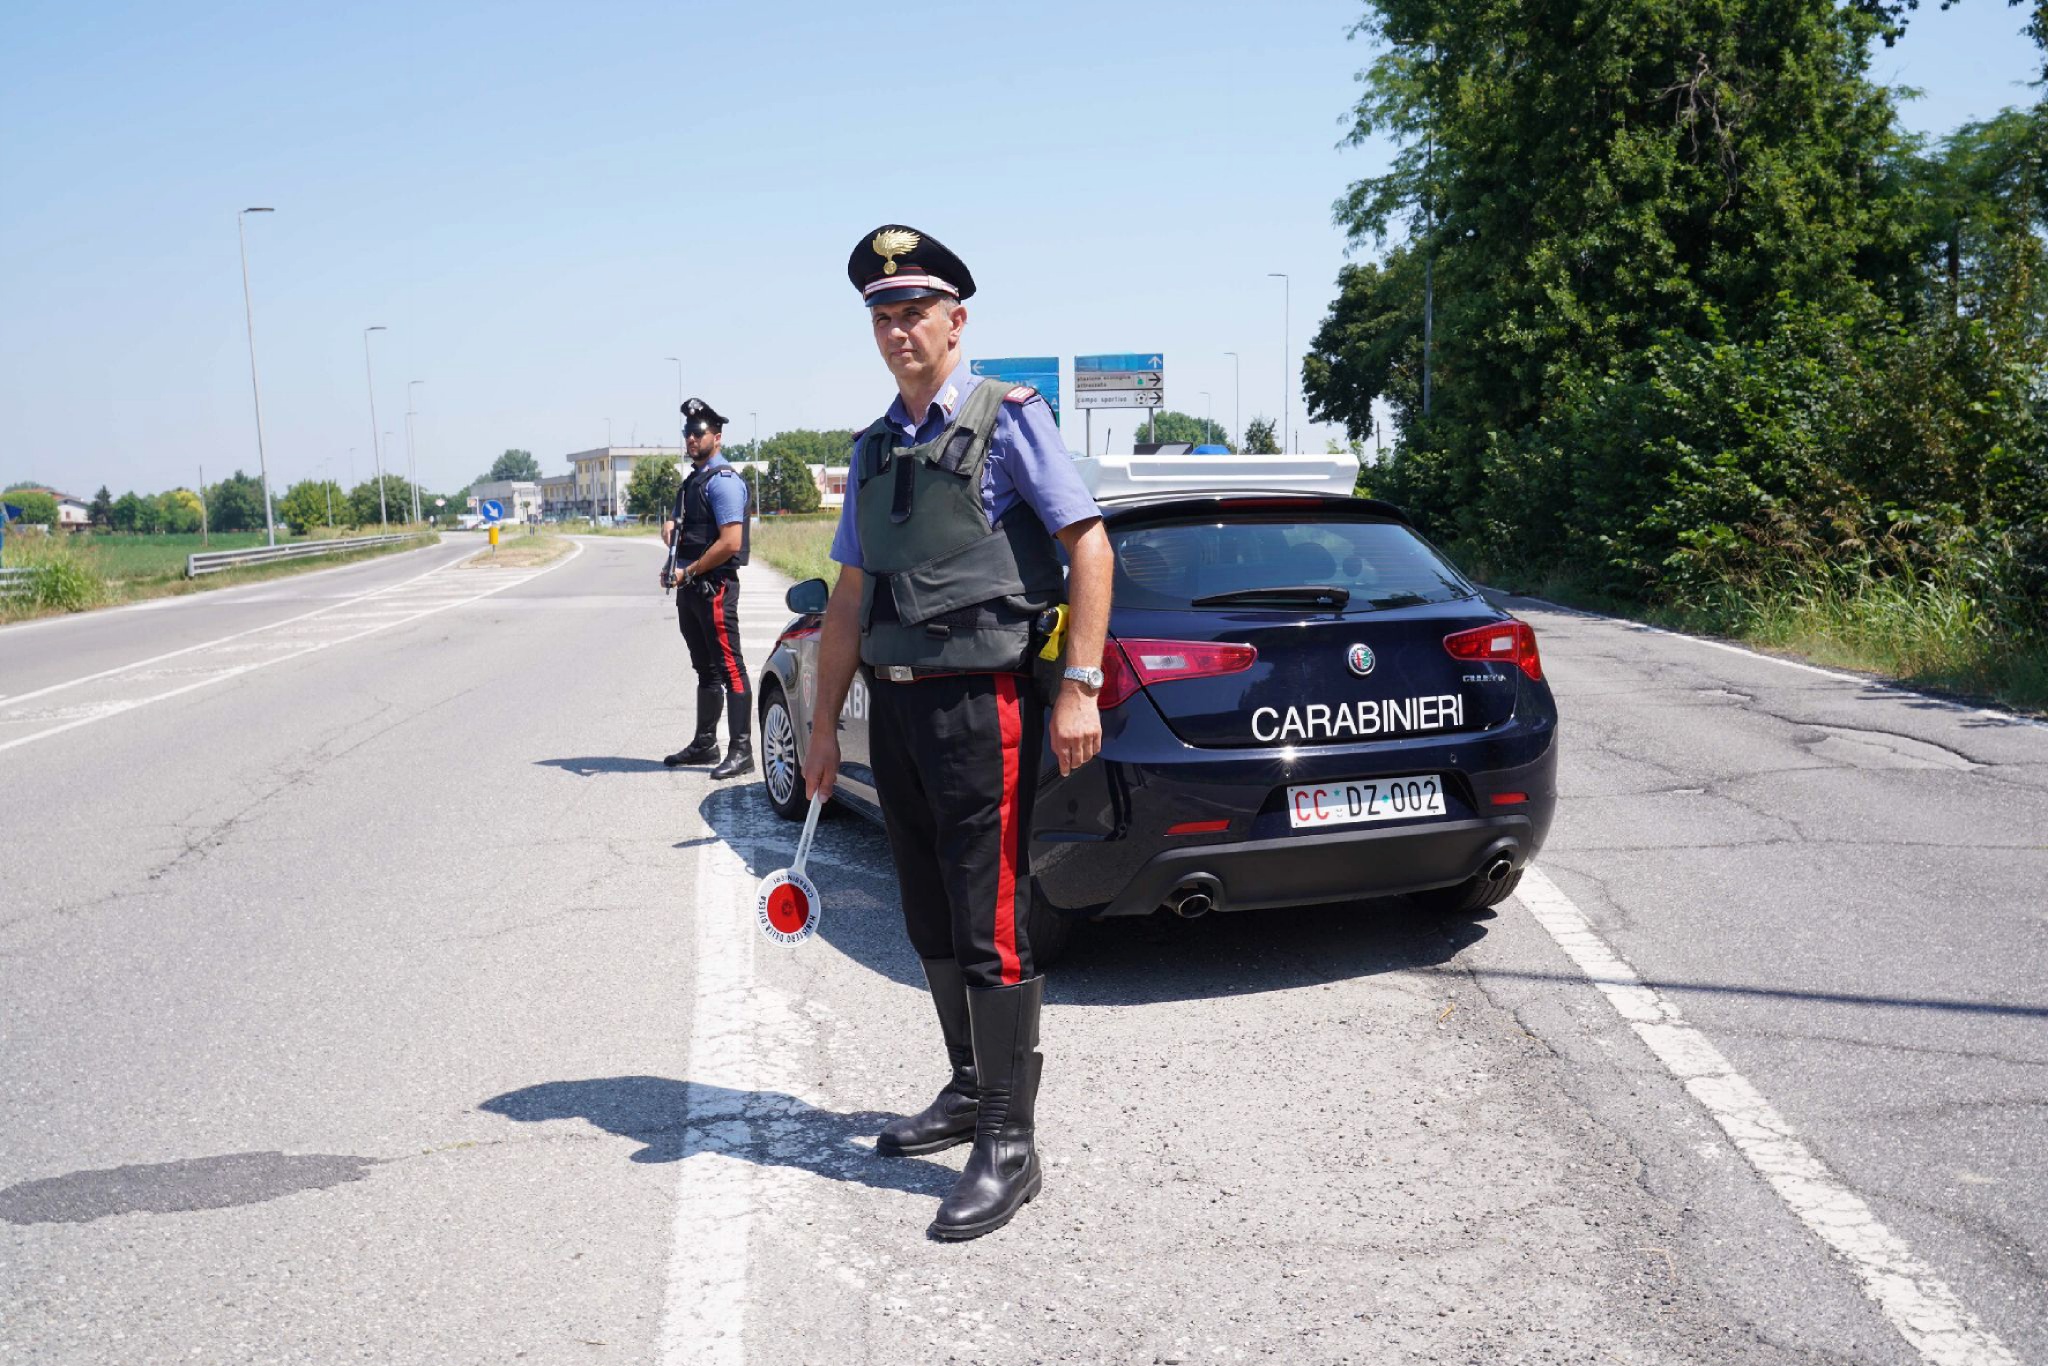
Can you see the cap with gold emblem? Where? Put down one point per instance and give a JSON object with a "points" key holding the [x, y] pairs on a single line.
{"points": [[894, 263], [700, 417]]}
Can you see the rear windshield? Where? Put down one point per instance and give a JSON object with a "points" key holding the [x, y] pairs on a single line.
{"points": [[1382, 564]]}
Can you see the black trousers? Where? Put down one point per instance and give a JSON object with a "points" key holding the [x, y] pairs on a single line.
{"points": [[708, 612], [956, 763]]}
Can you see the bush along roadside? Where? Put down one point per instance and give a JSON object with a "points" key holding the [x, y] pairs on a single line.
{"points": [[57, 579]]}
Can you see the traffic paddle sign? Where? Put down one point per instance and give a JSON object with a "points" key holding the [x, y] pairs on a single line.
{"points": [[787, 904]]}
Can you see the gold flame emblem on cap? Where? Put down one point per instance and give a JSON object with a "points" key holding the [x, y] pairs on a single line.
{"points": [[891, 243]]}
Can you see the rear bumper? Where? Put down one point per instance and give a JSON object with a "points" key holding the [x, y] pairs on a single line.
{"points": [[1337, 865]]}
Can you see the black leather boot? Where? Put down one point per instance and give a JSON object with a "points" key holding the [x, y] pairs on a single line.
{"points": [[1002, 1173], [949, 1119], [739, 726], [704, 748]]}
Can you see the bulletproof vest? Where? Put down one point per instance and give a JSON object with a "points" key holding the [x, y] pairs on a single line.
{"points": [[699, 528], [943, 589]]}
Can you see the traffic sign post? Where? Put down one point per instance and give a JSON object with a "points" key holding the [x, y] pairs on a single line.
{"points": [[1125, 379], [1040, 372]]}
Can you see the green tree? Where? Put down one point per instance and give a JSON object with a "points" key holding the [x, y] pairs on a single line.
{"points": [[786, 485], [310, 503], [513, 464], [127, 512], [177, 511], [102, 507], [1167, 425], [37, 508], [652, 490], [235, 504], [364, 509], [1260, 437]]}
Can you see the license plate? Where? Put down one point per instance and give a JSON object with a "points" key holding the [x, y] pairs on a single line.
{"points": [[1379, 799]]}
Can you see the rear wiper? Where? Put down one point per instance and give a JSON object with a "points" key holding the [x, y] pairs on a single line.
{"points": [[1399, 600], [1319, 595]]}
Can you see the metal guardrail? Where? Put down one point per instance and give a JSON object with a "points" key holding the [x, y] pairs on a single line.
{"points": [[14, 580], [213, 561]]}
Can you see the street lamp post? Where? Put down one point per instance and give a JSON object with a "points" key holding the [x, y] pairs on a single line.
{"points": [[376, 450], [756, 461], [1237, 396], [1286, 366], [1208, 415], [249, 316], [412, 469]]}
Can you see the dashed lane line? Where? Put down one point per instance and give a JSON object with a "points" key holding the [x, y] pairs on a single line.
{"points": [[118, 669], [124, 705], [1911, 1294]]}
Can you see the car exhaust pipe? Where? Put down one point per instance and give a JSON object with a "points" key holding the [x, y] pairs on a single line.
{"points": [[1497, 871], [1195, 897]]}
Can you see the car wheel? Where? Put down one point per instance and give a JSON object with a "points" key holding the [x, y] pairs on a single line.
{"points": [[1473, 894], [1050, 930], [782, 773]]}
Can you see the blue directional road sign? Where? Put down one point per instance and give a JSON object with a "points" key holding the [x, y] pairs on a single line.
{"points": [[492, 509], [1040, 372]]}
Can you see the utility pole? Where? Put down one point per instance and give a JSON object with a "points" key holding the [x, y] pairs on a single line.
{"points": [[1237, 398], [255, 390], [376, 448], [411, 469], [1286, 365], [204, 538]]}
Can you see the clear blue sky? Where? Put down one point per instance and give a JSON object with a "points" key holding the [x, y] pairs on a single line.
{"points": [[542, 201]]}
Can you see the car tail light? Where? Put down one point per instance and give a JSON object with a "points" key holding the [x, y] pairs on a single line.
{"points": [[1128, 665], [1510, 642], [1509, 798], [1198, 828]]}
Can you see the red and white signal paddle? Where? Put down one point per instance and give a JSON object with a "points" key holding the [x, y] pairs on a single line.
{"points": [[787, 904]]}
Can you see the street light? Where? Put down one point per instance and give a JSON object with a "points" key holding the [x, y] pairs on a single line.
{"points": [[1237, 401], [411, 470], [249, 316], [1286, 368], [370, 376]]}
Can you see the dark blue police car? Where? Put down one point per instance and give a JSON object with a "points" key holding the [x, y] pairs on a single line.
{"points": [[1304, 702]]}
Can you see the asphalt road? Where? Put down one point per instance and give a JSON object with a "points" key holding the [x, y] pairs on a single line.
{"points": [[369, 992]]}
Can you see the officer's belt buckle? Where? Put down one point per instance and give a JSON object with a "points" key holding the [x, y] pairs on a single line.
{"points": [[899, 673]]}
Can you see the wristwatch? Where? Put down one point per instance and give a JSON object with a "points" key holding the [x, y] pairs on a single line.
{"points": [[1087, 678]]}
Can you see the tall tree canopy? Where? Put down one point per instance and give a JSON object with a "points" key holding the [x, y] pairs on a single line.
{"points": [[1696, 302], [513, 465]]}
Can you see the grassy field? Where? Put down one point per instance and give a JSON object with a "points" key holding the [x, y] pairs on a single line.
{"points": [[522, 548], [77, 573], [799, 546], [1928, 635]]}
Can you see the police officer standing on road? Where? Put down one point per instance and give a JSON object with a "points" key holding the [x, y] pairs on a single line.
{"points": [[707, 529], [950, 587]]}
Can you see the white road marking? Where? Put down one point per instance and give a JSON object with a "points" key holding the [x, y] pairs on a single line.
{"points": [[703, 1321], [1910, 1293], [222, 640], [125, 705]]}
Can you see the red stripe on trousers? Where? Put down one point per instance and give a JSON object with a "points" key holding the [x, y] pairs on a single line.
{"points": [[1011, 723], [733, 675]]}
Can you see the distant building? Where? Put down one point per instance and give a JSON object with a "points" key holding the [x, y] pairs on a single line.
{"points": [[73, 514], [557, 493], [521, 498], [601, 476]]}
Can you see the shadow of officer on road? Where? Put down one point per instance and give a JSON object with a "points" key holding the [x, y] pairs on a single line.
{"points": [[679, 1119]]}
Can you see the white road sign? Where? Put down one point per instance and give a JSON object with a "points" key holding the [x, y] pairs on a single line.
{"points": [[1120, 398]]}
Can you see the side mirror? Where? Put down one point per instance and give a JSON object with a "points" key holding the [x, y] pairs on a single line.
{"points": [[807, 598]]}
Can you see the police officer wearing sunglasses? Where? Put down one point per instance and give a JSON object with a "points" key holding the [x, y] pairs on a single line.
{"points": [[707, 529]]}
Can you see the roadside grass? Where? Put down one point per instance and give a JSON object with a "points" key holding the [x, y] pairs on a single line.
{"points": [[799, 546], [1931, 634], [86, 582], [522, 548]]}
